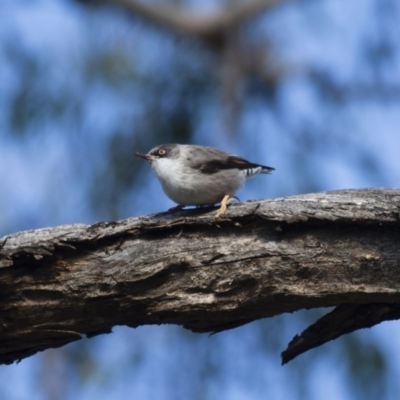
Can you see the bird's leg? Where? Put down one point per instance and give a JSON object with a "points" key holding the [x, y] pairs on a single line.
{"points": [[176, 208], [224, 202]]}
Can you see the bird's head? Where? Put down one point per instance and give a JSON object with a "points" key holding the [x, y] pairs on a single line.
{"points": [[161, 151]]}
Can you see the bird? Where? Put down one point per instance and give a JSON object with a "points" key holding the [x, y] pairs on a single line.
{"points": [[194, 175]]}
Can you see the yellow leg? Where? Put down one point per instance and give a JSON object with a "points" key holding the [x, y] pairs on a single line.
{"points": [[224, 202]]}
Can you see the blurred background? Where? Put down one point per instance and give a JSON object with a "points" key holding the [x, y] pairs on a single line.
{"points": [[309, 87]]}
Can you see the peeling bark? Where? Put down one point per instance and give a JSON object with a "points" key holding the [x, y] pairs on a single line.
{"points": [[261, 259]]}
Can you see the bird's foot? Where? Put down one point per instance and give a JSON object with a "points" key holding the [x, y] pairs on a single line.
{"points": [[224, 203], [175, 209]]}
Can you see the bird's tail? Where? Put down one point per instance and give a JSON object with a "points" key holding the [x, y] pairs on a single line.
{"points": [[261, 169], [266, 170]]}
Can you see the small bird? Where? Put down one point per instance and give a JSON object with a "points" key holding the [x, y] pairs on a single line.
{"points": [[192, 175]]}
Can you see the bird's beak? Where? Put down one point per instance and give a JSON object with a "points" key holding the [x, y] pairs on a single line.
{"points": [[147, 157]]}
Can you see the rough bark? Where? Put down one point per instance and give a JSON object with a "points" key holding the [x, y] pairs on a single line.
{"points": [[261, 259]]}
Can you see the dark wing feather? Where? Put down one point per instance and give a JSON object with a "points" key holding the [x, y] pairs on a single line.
{"points": [[209, 161]]}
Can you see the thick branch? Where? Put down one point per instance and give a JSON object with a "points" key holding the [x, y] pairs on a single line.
{"points": [[259, 260]]}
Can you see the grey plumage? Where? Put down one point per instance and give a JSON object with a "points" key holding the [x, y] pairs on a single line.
{"points": [[200, 175]]}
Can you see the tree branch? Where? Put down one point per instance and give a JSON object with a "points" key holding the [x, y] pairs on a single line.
{"points": [[259, 260], [343, 319], [210, 27]]}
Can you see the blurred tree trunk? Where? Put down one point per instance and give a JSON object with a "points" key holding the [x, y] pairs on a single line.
{"points": [[208, 27], [261, 259]]}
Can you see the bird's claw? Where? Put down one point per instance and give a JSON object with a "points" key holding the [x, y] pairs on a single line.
{"points": [[176, 208], [224, 203]]}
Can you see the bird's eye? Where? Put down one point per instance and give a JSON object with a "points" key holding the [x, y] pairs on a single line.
{"points": [[161, 152]]}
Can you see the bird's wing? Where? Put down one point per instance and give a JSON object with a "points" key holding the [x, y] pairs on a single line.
{"points": [[210, 160]]}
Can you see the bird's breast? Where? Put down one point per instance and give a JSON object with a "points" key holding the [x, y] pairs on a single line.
{"points": [[189, 186]]}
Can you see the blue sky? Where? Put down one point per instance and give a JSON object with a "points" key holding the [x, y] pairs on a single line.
{"points": [[57, 169]]}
